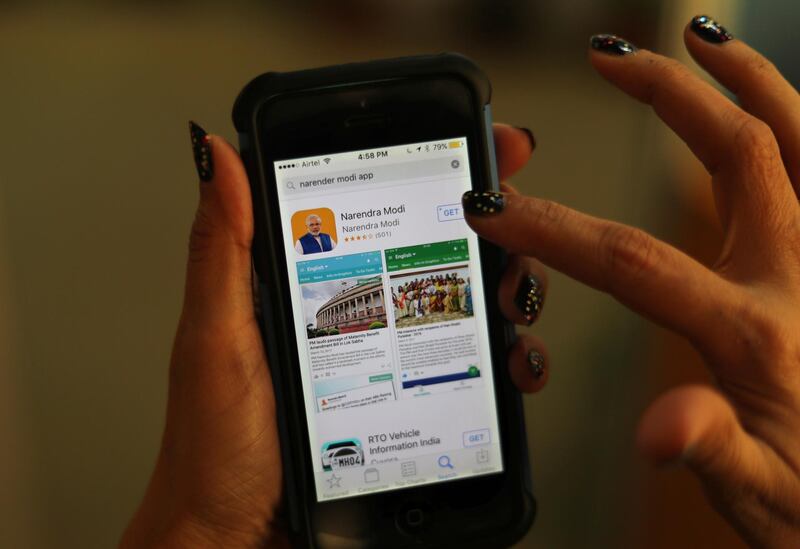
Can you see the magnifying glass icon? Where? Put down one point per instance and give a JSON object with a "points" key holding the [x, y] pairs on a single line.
{"points": [[290, 185], [444, 461]]}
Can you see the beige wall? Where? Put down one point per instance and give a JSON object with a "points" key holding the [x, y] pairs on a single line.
{"points": [[18, 504]]}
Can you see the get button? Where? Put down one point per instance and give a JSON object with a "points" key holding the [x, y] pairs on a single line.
{"points": [[476, 438], [449, 212]]}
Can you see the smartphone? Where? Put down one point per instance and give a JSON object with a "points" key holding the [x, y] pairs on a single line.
{"points": [[399, 425]]}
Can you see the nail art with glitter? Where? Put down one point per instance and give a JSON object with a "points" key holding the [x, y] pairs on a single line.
{"points": [[529, 298], [611, 44], [709, 30], [483, 202], [536, 362], [201, 147]]}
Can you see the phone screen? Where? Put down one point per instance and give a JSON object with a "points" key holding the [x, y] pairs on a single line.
{"points": [[389, 311]]}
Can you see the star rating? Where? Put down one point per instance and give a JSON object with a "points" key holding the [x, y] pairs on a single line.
{"points": [[358, 237], [334, 481]]}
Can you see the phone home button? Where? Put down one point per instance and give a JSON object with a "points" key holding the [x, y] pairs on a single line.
{"points": [[414, 517]]}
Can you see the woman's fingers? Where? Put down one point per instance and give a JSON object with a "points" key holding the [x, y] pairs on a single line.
{"points": [[698, 113], [514, 147], [761, 89], [523, 286], [646, 274], [528, 364], [738, 149], [218, 302], [218, 273], [697, 426], [522, 290]]}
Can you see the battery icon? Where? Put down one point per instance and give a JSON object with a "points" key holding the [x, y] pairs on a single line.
{"points": [[454, 144]]}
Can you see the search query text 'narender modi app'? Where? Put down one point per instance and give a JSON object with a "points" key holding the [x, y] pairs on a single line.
{"points": [[389, 312]]}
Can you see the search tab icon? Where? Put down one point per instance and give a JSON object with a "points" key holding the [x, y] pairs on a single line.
{"points": [[444, 461], [290, 185]]}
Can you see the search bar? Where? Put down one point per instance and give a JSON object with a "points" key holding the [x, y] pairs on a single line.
{"points": [[373, 177]]}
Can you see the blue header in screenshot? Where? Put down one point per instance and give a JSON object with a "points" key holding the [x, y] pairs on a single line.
{"points": [[343, 266]]}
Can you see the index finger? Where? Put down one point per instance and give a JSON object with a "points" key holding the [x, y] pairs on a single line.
{"points": [[648, 275]]}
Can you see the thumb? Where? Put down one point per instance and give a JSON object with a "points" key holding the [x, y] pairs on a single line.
{"points": [[695, 425], [218, 277]]}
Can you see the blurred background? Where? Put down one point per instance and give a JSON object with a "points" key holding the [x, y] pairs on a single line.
{"points": [[98, 190]]}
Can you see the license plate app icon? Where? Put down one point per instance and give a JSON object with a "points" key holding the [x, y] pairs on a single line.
{"points": [[342, 453]]}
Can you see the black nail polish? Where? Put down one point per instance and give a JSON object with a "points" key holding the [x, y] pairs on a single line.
{"points": [[709, 30], [483, 202], [529, 133], [536, 362], [613, 45], [201, 147], [529, 298]]}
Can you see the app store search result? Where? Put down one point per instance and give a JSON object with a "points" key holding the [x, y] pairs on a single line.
{"points": [[392, 335]]}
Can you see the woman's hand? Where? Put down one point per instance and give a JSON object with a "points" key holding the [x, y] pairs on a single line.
{"points": [[742, 438], [217, 479]]}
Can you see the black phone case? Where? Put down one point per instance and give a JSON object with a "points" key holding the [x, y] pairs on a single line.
{"points": [[291, 426]]}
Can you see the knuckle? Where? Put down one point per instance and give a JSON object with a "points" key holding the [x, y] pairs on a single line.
{"points": [[672, 69], [755, 143], [544, 212], [629, 254], [770, 334], [764, 338], [667, 73], [760, 67], [210, 231], [756, 155], [767, 334], [202, 235]]}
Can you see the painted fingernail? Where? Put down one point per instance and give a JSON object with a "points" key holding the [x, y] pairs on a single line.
{"points": [[709, 30], [529, 133], [536, 363], [483, 202], [612, 45], [529, 298], [201, 147]]}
